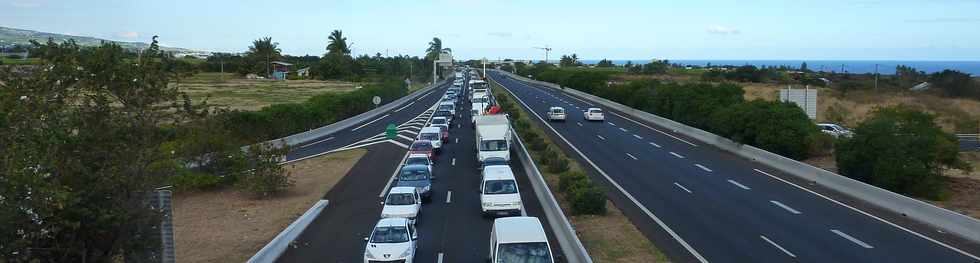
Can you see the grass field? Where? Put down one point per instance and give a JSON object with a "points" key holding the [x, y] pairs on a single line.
{"points": [[231, 91], [18, 61]]}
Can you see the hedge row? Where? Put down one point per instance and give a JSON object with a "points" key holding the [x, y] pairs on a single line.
{"points": [[778, 127], [585, 196]]}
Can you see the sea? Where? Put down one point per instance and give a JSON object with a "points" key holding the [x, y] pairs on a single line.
{"points": [[850, 66]]}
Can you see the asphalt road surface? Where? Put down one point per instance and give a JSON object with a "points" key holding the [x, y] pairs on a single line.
{"points": [[451, 228], [717, 207]]}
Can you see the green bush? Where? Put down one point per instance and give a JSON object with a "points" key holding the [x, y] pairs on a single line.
{"points": [[588, 200], [570, 180], [267, 177], [559, 165], [548, 155], [193, 181], [900, 149], [778, 127], [535, 142], [521, 125]]}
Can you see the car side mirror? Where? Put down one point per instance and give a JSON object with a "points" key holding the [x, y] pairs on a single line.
{"points": [[415, 236]]}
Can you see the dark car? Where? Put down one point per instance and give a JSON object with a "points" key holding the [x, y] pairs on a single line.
{"points": [[417, 176], [492, 161]]}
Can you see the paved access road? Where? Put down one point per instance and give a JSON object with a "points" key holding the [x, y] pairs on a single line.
{"points": [[451, 228], [702, 204], [969, 142]]}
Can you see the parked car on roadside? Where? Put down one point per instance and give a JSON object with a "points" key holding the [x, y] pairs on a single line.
{"points": [[835, 130]]}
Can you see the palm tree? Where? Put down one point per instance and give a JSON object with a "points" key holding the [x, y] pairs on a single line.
{"points": [[338, 43], [435, 46], [261, 53]]}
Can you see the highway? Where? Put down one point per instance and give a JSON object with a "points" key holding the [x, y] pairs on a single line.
{"points": [[451, 228], [699, 203]]}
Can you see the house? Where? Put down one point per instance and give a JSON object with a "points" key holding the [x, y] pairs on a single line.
{"points": [[303, 72], [279, 70]]}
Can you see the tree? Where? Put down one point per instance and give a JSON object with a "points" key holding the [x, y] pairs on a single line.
{"points": [[337, 63], [569, 61], [900, 149], [656, 67], [803, 67], [338, 43], [956, 84], [259, 55], [605, 63], [81, 144], [435, 48]]}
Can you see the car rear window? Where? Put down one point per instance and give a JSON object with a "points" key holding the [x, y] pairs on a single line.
{"points": [[438, 121], [422, 146]]}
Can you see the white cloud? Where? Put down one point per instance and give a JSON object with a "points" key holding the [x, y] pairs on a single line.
{"points": [[723, 30], [27, 3], [128, 35]]}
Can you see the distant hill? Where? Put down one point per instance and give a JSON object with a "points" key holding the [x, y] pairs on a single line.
{"points": [[14, 36]]}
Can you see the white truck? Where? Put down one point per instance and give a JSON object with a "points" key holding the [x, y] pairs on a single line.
{"points": [[493, 137]]}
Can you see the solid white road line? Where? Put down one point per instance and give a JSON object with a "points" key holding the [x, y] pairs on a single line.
{"points": [[777, 246], [790, 209], [624, 130], [873, 216], [399, 144], [369, 123], [406, 137], [449, 196], [703, 168], [662, 132], [629, 196], [440, 258], [655, 145], [683, 188], [852, 239], [392, 179], [406, 106], [677, 155], [631, 156], [409, 132], [307, 145], [637, 136], [739, 185], [600, 137]]}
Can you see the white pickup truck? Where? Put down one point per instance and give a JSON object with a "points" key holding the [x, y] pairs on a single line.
{"points": [[493, 137]]}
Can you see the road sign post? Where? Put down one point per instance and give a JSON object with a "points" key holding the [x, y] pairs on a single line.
{"points": [[376, 100]]}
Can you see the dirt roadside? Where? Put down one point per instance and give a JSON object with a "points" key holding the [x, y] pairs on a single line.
{"points": [[227, 226]]}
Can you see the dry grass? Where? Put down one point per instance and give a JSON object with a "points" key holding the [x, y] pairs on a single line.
{"points": [[226, 226], [608, 238], [233, 92]]}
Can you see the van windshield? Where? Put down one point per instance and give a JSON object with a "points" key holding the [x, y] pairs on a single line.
{"points": [[532, 252], [499, 187], [493, 145], [401, 199], [390, 234]]}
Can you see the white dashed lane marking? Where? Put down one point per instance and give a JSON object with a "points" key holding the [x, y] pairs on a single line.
{"points": [[852, 239], [739, 185], [677, 155]]}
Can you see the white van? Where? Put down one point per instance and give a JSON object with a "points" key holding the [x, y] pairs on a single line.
{"points": [[433, 135], [519, 239], [493, 137], [404, 202], [499, 195]]}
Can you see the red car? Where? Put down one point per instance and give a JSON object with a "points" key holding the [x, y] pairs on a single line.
{"points": [[422, 147]]}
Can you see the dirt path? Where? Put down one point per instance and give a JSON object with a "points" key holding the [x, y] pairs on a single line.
{"points": [[226, 226]]}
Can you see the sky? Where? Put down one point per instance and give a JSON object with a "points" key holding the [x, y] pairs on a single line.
{"points": [[692, 29]]}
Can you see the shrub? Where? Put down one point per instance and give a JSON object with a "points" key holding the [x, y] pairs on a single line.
{"points": [[548, 155], [267, 177], [588, 200], [778, 127], [902, 150], [559, 165], [536, 143], [521, 124], [571, 180], [193, 181], [819, 143]]}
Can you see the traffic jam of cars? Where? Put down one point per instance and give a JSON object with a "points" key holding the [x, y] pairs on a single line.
{"points": [[514, 237]]}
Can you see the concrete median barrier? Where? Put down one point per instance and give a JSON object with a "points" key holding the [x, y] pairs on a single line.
{"points": [[279, 244]]}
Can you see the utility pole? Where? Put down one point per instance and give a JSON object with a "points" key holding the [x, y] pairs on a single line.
{"points": [[434, 71], [222, 62], [268, 65], [876, 76]]}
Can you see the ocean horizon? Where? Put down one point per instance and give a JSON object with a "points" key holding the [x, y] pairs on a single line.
{"points": [[850, 66]]}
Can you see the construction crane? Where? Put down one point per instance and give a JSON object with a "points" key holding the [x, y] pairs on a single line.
{"points": [[547, 51]]}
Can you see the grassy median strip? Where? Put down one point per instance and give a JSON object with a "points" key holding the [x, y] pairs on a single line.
{"points": [[606, 233]]}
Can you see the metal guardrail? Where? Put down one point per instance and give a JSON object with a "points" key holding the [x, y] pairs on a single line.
{"points": [[271, 252], [568, 241], [958, 224], [308, 136]]}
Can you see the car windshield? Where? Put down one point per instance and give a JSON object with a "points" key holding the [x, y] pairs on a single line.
{"points": [[413, 174], [445, 107], [438, 121], [499, 187], [493, 145], [421, 146], [429, 136], [557, 111], [401, 199], [417, 160], [390, 234], [480, 100], [532, 252]]}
